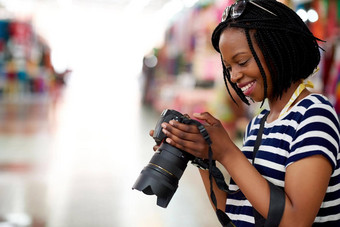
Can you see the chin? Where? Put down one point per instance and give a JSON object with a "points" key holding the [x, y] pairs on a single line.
{"points": [[255, 99]]}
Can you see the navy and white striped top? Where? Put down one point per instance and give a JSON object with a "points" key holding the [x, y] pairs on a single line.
{"points": [[309, 128]]}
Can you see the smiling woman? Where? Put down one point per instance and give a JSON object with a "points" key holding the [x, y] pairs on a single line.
{"points": [[287, 170], [77, 166]]}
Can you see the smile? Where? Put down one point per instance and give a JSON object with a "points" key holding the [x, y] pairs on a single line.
{"points": [[244, 89]]}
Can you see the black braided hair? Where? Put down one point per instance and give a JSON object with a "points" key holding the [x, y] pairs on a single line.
{"points": [[257, 62], [290, 50]]}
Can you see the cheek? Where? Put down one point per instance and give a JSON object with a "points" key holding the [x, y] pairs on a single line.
{"points": [[267, 75], [269, 88]]}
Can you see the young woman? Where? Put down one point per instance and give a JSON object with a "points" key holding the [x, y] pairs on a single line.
{"points": [[267, 52]]}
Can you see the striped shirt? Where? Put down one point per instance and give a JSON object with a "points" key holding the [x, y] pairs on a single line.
{"points": [[311, 127]]}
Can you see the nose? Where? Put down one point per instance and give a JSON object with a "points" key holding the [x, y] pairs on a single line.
{"points": [[235, 76]]}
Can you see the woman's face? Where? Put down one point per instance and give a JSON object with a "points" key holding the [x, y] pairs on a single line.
{"points": [[241, 64]]}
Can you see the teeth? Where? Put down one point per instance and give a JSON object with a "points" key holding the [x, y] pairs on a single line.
{"points": [[243, 89]]}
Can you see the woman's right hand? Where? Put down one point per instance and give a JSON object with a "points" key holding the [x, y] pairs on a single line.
{"points": [[155, 148]]}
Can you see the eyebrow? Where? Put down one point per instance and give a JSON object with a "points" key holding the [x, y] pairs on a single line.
{"points": [[242, 52], [235, 56]]}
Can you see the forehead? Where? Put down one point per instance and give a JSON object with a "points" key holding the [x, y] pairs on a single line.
{"points": [[233, 40]]}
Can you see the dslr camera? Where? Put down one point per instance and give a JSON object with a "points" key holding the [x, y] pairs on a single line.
{"points": [[167, 165]]}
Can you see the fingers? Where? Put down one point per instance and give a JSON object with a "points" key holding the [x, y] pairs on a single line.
{"points": [[151, 133], [207, 117], [185, 137], [179, 130], [155, 148], [182, 127], [196, 148], [187, 116]]}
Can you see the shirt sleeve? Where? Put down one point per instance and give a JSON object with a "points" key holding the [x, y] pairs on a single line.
{"points": [[317, 134]]}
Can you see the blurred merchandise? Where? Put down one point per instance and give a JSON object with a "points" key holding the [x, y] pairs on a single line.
{"points": [[331, 71], [30, 87], [187, 76], [25, 61]]}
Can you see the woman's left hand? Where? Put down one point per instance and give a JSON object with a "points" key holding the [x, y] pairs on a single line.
{"points": [[188, 138]]}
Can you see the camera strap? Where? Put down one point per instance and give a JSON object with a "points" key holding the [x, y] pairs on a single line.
{"points": [[259, 219], [277, 196], [221, 215], [214, 172]]}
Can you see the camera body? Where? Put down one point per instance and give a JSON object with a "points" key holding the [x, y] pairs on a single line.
{"points": [[166, 116], [167, 165]]}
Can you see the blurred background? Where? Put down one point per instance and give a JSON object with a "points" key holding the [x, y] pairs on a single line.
{"points": [[83, 81]]}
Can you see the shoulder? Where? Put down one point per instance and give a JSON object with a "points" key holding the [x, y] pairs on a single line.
{"points": [[316, 113], [317, 129], [315, 101], [315, 107]]}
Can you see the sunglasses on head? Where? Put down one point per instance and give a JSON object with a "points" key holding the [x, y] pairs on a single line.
{"points": [[235, 10]]}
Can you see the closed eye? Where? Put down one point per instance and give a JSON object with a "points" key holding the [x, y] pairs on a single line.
{"points": [[243, 63]]}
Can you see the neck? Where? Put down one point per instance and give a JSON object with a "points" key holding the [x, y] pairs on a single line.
{"points": [[276, 105]]}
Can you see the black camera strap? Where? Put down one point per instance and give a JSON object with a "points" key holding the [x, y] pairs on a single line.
{"points": [[277, 196], [214, 172], [259, 219], [221, 215]]}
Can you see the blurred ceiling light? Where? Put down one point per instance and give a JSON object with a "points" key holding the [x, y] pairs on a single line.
{"points": [[303, 14], [312, 15], [151, 61]]}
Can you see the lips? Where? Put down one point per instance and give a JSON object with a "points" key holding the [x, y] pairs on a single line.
{"points": [[247, 88]]}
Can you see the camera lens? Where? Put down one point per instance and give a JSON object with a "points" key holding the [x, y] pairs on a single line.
{"points": [[161, 175]]}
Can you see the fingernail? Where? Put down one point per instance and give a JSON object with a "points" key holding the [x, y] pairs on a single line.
{"points": [[168, 140], [164, 131], [163, 125], [171, 122]]}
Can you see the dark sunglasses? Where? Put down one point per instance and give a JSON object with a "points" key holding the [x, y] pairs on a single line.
{"points": [[235, 10]]}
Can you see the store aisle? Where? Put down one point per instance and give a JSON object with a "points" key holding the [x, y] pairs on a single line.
{"points": [[72, 162], [104, 167]]}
